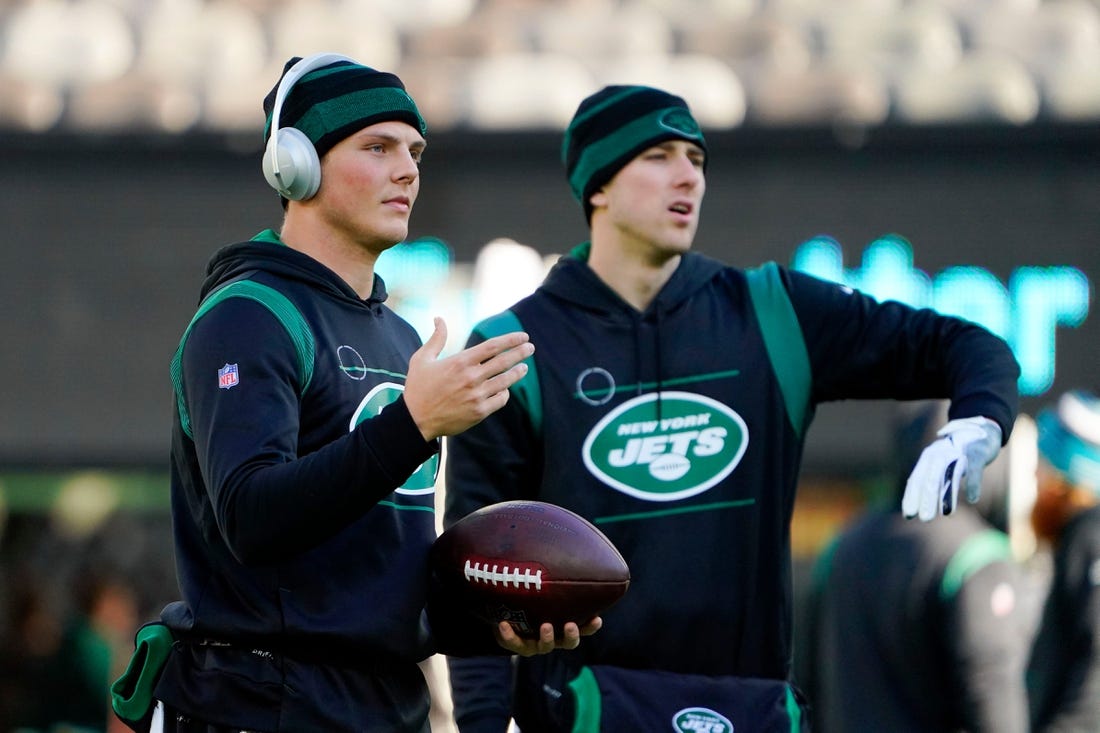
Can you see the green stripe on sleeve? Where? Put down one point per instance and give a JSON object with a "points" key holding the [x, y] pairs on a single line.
{"points": [[977, 552], [783, 340], [794, 712], [588, 706], [283, 310]]}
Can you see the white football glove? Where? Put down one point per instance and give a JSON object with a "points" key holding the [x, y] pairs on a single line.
{"points": [[965, 447]]}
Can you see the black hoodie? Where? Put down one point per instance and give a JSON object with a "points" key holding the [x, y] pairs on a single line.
{"points": [[679, 431], [302, 499], [1064, 671]]}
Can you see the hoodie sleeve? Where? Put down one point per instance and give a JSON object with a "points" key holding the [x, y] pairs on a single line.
{"points": [[862, 349], [269, 502]]}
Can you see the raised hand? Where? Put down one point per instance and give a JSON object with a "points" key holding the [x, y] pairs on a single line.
{"points": [[447, 396]]}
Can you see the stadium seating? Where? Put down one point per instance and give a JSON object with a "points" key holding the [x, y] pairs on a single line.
{"points": [[175, 65]]}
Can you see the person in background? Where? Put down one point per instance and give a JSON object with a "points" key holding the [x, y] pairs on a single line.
{"points": [[306, 436], [77, 676], [1063, 673], [668, 403], [31, 637], [921, 627]]}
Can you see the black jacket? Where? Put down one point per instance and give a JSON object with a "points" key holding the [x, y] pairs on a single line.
{"points": [[679, 431], [302, 500], [919, 627], [1064, 671]]}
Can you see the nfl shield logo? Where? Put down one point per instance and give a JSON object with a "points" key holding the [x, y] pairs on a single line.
{"points": [[228, 376]]}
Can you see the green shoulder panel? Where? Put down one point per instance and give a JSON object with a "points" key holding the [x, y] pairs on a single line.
{"points": [[794, 711], [587, 700], [527, 389], [980, 550], [784, 341], [284, 311]]}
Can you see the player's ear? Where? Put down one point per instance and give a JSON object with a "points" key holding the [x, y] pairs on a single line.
{"points": [[598, 198]]}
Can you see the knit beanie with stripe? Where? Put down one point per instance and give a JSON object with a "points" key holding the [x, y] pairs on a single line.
{"points": [[1069, 437], [614, 125], [330, 103]]}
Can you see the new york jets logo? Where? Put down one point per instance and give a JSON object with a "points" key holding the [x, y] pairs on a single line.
{"points": [[695, 443], [680, 120], [701, 720], [423, 479]]}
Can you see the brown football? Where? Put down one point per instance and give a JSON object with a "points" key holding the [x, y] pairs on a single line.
{"points": [[529, 562]]}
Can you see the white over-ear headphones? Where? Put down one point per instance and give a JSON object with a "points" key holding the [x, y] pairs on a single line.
{"points": [[291, 164]]}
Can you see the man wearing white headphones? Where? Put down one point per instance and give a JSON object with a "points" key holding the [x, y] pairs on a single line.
{"points": [[306, 445]]}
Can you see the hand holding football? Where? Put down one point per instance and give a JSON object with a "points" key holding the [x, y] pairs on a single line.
{"points": [[529, 562]]}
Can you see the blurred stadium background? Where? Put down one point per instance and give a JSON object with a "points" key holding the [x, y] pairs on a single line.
{"points": [[942, 152]]}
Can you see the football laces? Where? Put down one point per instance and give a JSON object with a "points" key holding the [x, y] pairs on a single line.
{"points": [[495, 574]]}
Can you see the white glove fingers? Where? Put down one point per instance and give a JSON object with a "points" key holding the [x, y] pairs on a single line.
{"points": [[932, 488], [965, 447], [953, 475], [974, 481], [910, 500], [980, 455]]}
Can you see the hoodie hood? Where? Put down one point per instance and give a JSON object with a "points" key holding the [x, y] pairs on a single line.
{"points": [[266, 252], [571, 279]]}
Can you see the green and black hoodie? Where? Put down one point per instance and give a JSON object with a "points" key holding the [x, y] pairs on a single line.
{"points": [[679, 432], [302, 499]]}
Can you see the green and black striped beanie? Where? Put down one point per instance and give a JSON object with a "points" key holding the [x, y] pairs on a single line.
{"points": [[613, 125], [330, 103]]}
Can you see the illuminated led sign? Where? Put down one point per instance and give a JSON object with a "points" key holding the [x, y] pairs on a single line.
{"points": [[424, 281], [1027, 312]]}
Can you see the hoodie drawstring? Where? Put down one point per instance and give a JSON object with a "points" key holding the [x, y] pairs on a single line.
{"points": [[638, 354], [657, 355]]}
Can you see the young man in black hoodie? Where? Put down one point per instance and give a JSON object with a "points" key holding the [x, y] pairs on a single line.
{"points": [[306, 441], [668, 403]]}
